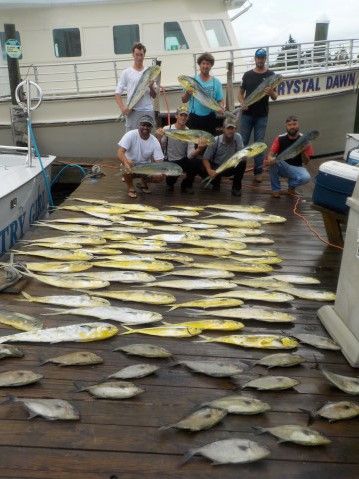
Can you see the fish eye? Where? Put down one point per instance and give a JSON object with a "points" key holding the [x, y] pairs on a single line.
{"points": [[247, 402], [243, 448]]}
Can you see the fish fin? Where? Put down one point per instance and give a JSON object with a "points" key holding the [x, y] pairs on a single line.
{"points": [[205, 339], [311, 415], [282, 441], [26, 296], [129, 330], [43, 361], [188, 456], [259, 430], [173, 307], [32, 415], [206, 181], [164, 428]]}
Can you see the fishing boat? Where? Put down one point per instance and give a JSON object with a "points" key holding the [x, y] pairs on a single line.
{"points": [[76, 51]]}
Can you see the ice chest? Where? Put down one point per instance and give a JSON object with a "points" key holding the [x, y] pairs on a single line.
{"points": [[353, 157], [334, 183]]}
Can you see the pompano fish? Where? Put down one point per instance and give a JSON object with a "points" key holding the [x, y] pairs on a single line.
{"points": [[216, 369], [249, 151], [298, 146], [123, 315], [10, 351], [165, 331], [271, 383], [20, 321], [135, 371], [194, 284], [255, 295], [305, 436], [257, 314], [82, 220], [209, 324], [190, 136], [75, 332], [145, 350], [139, 296], [79, 239], [230, 451], [167, 168], [59, 267], [347, 384], [271, 81], [71, 228], [321, 342], [259, 260], [79, 358], [200, 420], [208, 303], [112, 390], [238, 404], [293, 278], [82, 300], [140, 265], [260, 217], [231, 223], [18, 378], [203, 251], [51, 409], [153, 216], [68, 281], [148, 76], [257, 253], [192, 86], [202, 273], [337, 411], [174, 238], [64, 255], [235, 267], [262, 341], [282, 360], [245, 208]]}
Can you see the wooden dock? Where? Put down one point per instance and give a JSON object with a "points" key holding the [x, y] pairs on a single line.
{"points": [[121, 439]]}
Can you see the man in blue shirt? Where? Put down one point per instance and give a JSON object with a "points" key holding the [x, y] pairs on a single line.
{"points": [[201, 117]]}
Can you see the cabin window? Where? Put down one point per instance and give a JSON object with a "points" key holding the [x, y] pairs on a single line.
{"points": [[216, 33], [124, 36], [173, 36], [67, 42], [2, 43]]}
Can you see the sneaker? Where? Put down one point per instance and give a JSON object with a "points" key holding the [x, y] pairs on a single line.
{"points": [[236, 192]]}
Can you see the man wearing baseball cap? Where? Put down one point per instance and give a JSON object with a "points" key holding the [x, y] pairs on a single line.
{"points": [[184, 154], [139, 146], [225, 146], [255, 117]]}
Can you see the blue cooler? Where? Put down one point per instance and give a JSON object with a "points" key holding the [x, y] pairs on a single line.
{"points": [[334, 183], [353, 157]]}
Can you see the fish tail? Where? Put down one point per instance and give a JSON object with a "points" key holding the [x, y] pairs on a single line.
{"points": [[173, 307], [27, 297], [164, 428], [188, 456], [194, 312], [79, 386], [206, 181], [43, 361], [205, 339], [259, 430], [311, 415], [7, 399], [129, 330]]}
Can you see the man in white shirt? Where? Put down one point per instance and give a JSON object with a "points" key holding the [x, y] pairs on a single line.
{"points": [[139, 146], [127, 83], [184, 154]]}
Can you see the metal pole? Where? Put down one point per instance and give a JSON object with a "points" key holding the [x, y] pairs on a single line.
{"points": [[28, 110]]}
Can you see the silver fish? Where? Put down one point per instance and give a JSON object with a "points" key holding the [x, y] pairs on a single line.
{"points": [[10, 351], [135, 371], [321, 342], [337, 411], [230, 451], [51, 409], [18, 378], [347, 384], [113, 390], [79, 358], [271, 383], [145, 350], [217, 369], [200, 420], [282, 360], [305, 436], [80, 300], [237, 404]]}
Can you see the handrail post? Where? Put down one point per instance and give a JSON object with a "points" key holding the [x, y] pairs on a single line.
{"points": [[76, 78], [36, 73], [115, 71], [299, 57], [350, 52], [327, 53]]}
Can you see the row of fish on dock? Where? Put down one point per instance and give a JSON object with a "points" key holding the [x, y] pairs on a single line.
{"points": [[106, 237]]}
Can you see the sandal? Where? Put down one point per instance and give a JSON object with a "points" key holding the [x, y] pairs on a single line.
{"points": [[132, 194]]}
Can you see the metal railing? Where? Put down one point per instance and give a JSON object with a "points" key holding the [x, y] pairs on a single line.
{"points": [[100, 77]]}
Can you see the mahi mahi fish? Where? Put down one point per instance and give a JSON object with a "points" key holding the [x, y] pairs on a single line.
{"points": [[190, 136], [75, 332], [167, 168], [19, 320], [68, 281], [165, 331], [261, 341], [193, 284], [271, 81], [209, 303], [257, 314], [139, 296], [147, 77], [298, 146], [82, 300], [209, 324], [192, 86]]}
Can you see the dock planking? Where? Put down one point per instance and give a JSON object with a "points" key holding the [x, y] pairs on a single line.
{"points": [[121, 439]]}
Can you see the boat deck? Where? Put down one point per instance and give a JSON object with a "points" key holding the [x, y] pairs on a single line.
{"points": [[121, 439]]}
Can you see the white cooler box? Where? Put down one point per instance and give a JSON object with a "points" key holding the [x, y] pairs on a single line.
{"points": [[334, 183]]}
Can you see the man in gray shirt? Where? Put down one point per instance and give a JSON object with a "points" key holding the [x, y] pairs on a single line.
{"points": [[182, 153], [223, 148]]}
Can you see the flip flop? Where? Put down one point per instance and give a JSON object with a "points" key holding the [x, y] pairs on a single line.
{"points": [[132, 194]]}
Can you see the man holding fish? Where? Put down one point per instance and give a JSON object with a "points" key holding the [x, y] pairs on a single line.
{"points": [[203, 117], [128, 82], [183, 153], [136, 147], [292, 167], [255, 115]]}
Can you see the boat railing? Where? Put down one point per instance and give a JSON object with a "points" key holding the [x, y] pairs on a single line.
{"points": [[100, 77]]}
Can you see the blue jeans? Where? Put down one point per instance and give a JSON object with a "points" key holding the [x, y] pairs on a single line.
{"points": [[258, 125], [297, 175]]}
